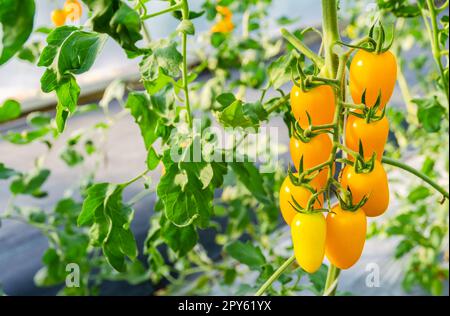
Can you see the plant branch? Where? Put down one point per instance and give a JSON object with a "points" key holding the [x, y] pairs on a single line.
{"points": [[417, 173], [169, 9], [275, 276], [185, 13], [300, 46]]}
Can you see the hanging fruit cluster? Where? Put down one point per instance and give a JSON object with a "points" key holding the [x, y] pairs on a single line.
{"points": [[72, 10], [225, 22], [327, 133]]}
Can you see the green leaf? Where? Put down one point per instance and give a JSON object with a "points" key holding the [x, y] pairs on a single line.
{"points": [[239, 114], [180, 239], [246, 253], [69, 51], [118, 20], [403, 248], [226, 99], [71, 157], [5, 172], [30, 184], [153, 159], [418, 193], [430, 114], [160, 65], [110, 221], [9, 110], [16, 19], [79, 51], [146, 118], [250, 177], [280, 70]]}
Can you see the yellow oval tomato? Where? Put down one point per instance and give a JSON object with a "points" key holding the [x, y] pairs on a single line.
{"points": [[224, 11], [374, 185], [314, 152], [58, 17], [373, 135], [319, 102], [346, 235], [300, 193], [308, 232], [375, 73], [73, 9]]}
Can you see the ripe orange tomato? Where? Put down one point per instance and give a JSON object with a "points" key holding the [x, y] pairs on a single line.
{"points": [[346, 235], [224, 11], [73, 9], [375, 73], [308, 232], [374, 185], [58, 17], [314, 152], [373, 135], [319, 103], [300, 194]]}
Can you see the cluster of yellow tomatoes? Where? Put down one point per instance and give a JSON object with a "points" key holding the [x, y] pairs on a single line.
{"points": [[341, 234], [225, 22], [71, 10]]}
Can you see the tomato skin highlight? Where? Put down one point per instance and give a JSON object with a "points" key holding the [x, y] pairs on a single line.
{"points": [[73, 9], [308, 232], [346, 236], [373, 136], [314, 152], [58, 17], [319, 102], [374, 73], [300, 194], [374, 185]]}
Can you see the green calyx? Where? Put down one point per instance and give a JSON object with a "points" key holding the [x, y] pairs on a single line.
{"points": [[346, 200], [305, 135], [361, 165], [370, 114], [308, 82], [376, 40]]}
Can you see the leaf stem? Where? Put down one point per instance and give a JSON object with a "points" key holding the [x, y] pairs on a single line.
{"points": [[433, 32], [332, 280], [300, 46], [279, 103], [275, 276], [135, 178], [169, 9], [185, 13], [417, 173]]}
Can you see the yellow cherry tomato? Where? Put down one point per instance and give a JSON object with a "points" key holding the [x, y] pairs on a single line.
{"points": [[374, 185], [224, 11], [58, 17], [346, 235], [373, 135], [314, 152], [375, 73], [73, 9], [300, 193], [308, 232], [319, 102]]}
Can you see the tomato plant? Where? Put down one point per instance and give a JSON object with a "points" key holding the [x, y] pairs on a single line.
{"points": [[337, 105]]}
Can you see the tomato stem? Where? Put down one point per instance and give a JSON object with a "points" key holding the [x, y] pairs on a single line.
{"points": [[417, 173], [331, 282], [300, 46], [169, 9], [275, 276], [185, 15]]}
